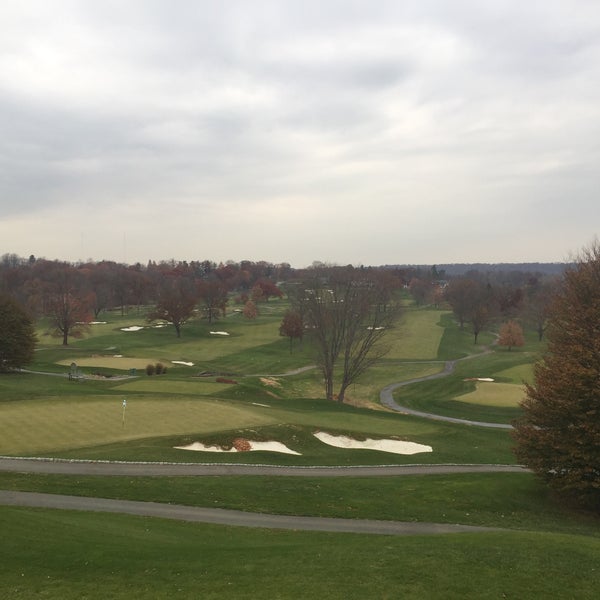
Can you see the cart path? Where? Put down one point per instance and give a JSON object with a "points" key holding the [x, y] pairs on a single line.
{"points": [[149, 469], [238, 518], [386, 397]]}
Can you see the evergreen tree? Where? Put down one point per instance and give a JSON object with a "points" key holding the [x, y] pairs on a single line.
{"points": [[17, 336]]}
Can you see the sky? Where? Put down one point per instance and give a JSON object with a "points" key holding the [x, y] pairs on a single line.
{"points": [[350, 132]]}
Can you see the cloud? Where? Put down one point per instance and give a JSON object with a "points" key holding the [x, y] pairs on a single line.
{"points": [[352, 131]]}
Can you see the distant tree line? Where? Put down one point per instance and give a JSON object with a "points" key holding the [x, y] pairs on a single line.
{"points": [[71, 295], [482, 299]]}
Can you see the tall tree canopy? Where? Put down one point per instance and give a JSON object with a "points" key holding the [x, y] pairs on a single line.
{"points": [[17, 339], [558, 435], [177, 299]]}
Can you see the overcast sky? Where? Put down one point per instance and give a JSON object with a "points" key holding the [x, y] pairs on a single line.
{"points": [[364, 132]]}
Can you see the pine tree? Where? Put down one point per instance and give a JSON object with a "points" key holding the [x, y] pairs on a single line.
{"points": [[17, 336]]}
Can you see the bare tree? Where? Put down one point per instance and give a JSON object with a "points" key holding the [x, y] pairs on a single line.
{"points": [[347, 316]]}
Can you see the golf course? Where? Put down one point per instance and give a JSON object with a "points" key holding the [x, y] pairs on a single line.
{"points": [[228, 475]]}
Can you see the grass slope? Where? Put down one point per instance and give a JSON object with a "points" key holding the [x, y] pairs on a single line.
{"points": [[72, 555]]}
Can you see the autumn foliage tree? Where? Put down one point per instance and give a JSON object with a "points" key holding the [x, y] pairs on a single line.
{"points": [[176, 302], [511, 335], [558, 436], [67, 305], [213, 298], [69, 315], [292, 326], [461, 294], [250, 311]]}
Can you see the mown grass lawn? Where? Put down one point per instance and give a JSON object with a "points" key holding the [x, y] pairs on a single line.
{"points": [[550, 550], [69, 555]]}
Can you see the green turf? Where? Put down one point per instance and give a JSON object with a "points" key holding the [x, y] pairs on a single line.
{"points": [[60, 554], [494, 394], [69, 555], [506, 500]]}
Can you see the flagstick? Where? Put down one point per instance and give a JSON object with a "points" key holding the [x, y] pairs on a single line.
{"points": [[124, 407]]}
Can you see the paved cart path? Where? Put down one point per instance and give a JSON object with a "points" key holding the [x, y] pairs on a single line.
{"points": [[148, 469], [221, 516], [386, 397]]}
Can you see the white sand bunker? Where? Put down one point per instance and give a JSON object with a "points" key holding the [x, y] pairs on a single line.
{"points": [[268, 446], [132, 328], [182, 362], [393, 446], [218, 333]]}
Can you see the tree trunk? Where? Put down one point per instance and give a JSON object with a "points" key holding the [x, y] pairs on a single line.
{"points": [[342, 394]]}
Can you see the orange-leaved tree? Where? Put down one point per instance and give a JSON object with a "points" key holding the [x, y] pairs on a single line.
{"points": [[511, 335], [558, 436]]}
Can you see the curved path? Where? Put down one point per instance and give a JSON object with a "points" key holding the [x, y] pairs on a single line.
{"points": [[386, 397]]}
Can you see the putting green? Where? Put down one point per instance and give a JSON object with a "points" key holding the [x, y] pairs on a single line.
{"points": [[494, 394], [37, 426]]}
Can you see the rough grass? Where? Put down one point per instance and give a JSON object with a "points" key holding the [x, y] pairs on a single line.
{"points": [[123, 363]]}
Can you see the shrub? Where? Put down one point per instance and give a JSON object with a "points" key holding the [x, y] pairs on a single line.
{"points": [[159, 368], [242, 445], [150, 369]]}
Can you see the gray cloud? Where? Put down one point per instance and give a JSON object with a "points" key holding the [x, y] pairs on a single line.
{"points": [[349, 131]]}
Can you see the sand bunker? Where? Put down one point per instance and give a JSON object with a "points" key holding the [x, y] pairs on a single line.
{"points": [[182, 362], [218, 333], [268, 446], [132, 328], [393, 446]]}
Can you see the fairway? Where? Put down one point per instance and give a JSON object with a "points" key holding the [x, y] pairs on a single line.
{"points": [[417, 336]]}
